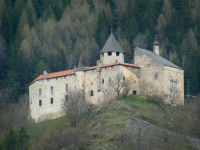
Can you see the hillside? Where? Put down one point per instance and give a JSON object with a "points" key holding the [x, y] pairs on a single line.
{"points": [[137, 122], [38, 35]]}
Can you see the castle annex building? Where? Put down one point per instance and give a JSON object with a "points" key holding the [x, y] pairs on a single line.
{"points": [[149, 74]]}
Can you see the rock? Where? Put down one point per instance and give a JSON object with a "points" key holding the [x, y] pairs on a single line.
{"points": [[121, 105], [136, 124]]}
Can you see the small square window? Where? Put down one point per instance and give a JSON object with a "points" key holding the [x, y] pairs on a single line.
{"points": [[40, 92], [134, 92], [51, 100], [98, 90], [109, 53], [66, 87], [40, 102], [117, 53], [91, 83], [102, 81], [91, 93]]}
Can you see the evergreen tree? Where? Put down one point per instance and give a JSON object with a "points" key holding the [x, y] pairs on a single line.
{"points": [[57, 11], [10, 141], [92, 7]]}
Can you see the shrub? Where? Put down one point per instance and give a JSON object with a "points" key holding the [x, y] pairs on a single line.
{"points": [[155, 99]]}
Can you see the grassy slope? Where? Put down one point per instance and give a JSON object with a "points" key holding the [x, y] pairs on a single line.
{"points": [[107, 127]]}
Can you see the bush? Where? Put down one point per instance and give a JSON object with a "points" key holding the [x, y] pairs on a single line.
{"points": [[155, 99]]}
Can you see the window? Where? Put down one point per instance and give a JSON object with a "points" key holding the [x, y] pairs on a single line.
{"points": [[64, 77], [40, 92], [111, 67], [149, 65], [98, 90], [109, 79], [91, 93], [51, 100], [156, 76], [66, 87], [117, 53], [109, 53], [134, 92], [51, 90], [40, 102], [102, 81], [31, 101], [91, 83], [124, 78], [105, 68]]}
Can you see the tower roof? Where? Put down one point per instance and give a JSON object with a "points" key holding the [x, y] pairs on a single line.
{"points": [[80, 66], [112, 45]]}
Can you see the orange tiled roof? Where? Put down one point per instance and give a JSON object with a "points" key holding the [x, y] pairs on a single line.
{"points": [[70, 72], [55, 74]]}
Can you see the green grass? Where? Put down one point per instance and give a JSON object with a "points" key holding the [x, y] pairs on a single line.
{"points": [[137, 101], [41, 127]]}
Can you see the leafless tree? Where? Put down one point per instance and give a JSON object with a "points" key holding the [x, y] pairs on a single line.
{"points": [[74, 106], [120, 82], [173, 96]]}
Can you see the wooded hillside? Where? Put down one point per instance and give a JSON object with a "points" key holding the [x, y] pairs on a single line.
{"points": [[38, 35]]}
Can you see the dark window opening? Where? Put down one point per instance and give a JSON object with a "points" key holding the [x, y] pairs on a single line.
{"points": [[51, 100], [40, 102], [124, 78], [66, 98], [91, 93], [51, 90], [117, 53], [109, 53], [40, 92], [66, 87], [156, 76], [102, 81], [111, 67], [134, 92], [149, 65], [109, 79], [98, 90]]}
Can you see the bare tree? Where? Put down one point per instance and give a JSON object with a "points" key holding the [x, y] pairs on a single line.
{"points": [[74, 106], [173, 96], [120, 82]]}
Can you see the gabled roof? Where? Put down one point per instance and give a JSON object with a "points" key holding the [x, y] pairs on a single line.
{"points": [[71, 72], [112, 45], [158, 58]]}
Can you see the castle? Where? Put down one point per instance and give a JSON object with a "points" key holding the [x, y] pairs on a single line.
{"points": [[149, 74]]}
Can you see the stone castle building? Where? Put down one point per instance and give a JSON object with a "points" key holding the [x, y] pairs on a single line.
{"points": [[149, 74]]}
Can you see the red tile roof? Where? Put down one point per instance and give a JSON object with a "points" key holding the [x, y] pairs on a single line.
{"points": [[70, 72]]}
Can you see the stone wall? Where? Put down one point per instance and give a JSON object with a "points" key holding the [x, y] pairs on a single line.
{"points": [[48, 110], [105, 59], [174, 85], [151, 73]]}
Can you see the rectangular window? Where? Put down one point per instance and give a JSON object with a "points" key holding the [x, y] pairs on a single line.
{"points": [[117, 53], [51, 100], [91, 83], [124, 78], [40, 102], [40, 92], [51, 90], [134, 92], [91, 93], [109, 53], [102, 81], [66, 87], [109, 79], [156, 76]]}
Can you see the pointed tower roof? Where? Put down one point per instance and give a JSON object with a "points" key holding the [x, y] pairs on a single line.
{"points": [[112, 45], [80, 66]]}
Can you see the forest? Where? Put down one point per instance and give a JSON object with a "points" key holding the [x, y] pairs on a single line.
{"points": [[38, 35]]}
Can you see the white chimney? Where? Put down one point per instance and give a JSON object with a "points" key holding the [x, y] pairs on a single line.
{"points": [[45, 74], [156, 47]]}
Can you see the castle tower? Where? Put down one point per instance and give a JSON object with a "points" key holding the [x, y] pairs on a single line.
{"points": [[156, 47], [80, 76], [111, 51]]}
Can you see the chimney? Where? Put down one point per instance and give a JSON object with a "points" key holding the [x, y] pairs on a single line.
{"points": [[156, 46], [99, 65], [116, 61], [45, 74]]}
